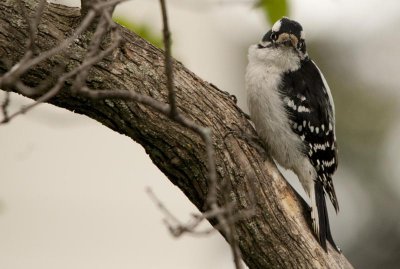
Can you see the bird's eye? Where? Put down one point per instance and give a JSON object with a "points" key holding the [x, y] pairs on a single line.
{"points": [[301, 44], [274, 36]]}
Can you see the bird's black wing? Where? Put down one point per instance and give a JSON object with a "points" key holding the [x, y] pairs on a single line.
{"points": [[311, 112], [307, 101]]}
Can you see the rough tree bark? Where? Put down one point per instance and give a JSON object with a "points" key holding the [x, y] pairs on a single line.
{"points": [[278, 235]]}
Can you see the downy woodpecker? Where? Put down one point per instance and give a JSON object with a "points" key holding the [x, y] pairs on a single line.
{"points": [[292, 109]]}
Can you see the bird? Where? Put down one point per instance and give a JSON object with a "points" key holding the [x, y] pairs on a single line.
{"points": [[291, 106]]}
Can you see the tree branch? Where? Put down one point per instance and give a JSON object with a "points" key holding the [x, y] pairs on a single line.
{"points": [[278, 235]]}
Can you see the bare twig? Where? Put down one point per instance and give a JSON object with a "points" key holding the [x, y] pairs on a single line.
{"points": [[128, 96], [60, 82], [4, 107], [27, 62], [177, 228], [168, 61], [32, 23], [161, 206], [94, 47]]}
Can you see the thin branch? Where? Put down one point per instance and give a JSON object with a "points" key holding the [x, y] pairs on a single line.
{"points": [[27, 62], [32, 23], [161, 206], [35, 22], [4, 107], [233, 240], [64, 44], [128, 96], [86, 6], [177, 228], [168, 61], [60, 82], [94, 47]]}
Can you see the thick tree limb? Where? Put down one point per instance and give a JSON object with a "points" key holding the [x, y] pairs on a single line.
{"points": [[278, 235]]}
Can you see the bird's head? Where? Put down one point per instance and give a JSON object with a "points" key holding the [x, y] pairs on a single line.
{"points": [[286, 34]]}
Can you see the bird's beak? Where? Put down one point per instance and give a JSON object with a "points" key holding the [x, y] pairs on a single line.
{"points": [[289, 40]]}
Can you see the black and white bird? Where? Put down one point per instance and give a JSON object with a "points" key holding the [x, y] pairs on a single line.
{"points": [[292, 109]]}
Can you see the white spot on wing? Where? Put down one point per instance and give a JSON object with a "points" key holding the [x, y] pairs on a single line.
{"points": [[291, 104], [330, 163], [301, 97], [303, 109], [318, 147]]}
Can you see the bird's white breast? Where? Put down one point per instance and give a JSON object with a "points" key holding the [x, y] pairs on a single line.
{"points": [[263, 78]]}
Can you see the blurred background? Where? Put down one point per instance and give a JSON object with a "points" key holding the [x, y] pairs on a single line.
{"points": [[72, 192]]}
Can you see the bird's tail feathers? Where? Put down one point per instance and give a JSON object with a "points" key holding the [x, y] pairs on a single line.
{"points": [[324, 233]]}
